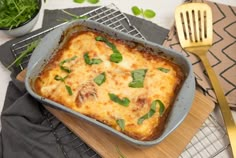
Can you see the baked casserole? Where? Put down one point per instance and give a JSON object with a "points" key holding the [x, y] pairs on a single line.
{"points": [[121, 84]]}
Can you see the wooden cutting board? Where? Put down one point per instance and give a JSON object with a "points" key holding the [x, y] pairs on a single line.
{"points": [[108, 146]]}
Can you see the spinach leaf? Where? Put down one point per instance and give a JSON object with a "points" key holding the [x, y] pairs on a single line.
{"points": [[64, 68], [100, 79], [69, 90], [138, 78], [116, 57], [79, 1], [59, 78], [93, 1], [148, 13], [161, 107], [152, 111], [116, 99], [91, 61], [149, 114], [163, 69], [136, 11], [121, 123]]}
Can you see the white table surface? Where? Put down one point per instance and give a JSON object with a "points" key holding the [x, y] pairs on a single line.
{"points": [[164, 17]]}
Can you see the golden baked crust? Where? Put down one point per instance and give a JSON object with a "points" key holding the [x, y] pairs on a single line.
{"points": [[133, 95]]}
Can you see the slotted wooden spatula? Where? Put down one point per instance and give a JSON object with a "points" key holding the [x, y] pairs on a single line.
{"points": [[195, 32]]}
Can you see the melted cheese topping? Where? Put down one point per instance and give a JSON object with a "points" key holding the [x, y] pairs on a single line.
{"points": [[92, 100]]}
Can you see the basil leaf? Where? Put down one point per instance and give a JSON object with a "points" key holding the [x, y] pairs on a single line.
{"points": [[59, 78], [116, 56], [100, 79], [148, 13], [149, 114], [163, 69], [161, 107], [136, 11], [116, 99], [64, 68], [92, 61], [79, 1], [138, 78], [121, 123], [69, 90], [93, 1]]}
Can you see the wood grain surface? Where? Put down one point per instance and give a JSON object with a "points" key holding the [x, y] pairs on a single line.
{"points": [[107, 145]]}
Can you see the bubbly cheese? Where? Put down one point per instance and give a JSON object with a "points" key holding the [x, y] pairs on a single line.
{"points": [[93, 100]]}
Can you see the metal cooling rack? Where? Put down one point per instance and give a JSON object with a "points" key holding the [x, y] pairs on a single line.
{"points": [[109, 15], [209, 142]]}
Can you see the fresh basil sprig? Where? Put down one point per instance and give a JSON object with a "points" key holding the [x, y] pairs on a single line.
{"points": [[152, 111], [163, 69], [91, 61], [121, 123], [124, 102], [138, 78], [64, 68], [100, 79], [116, 57], [147, 13]]}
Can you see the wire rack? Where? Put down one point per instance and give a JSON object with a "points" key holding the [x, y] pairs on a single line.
{"points": [[210, 140]]}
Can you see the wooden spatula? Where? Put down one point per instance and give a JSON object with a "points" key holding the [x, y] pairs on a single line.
{"points": [[195, 32]]}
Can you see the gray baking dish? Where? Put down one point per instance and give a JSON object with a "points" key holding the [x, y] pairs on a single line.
{"points": [[52, 41]]}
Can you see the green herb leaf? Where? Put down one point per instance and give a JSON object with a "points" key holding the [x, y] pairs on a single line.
{"points": [[149, 114], [15, 12], [79, 1], [121, 155], [64, 68], [136, 11], [121, 123], [100, 79], [93, 1], [59, 78], [26, 52], [74, 16], [116, 56], [116, 99], [138, 78], [163, 69], [148, 13], [161, 107], [69, 90], [92, 61]]}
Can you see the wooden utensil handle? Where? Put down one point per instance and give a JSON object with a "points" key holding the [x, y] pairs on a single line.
{"points": [[225, 109]]}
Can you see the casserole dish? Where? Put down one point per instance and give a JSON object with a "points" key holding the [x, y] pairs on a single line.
{"points": [[55, 41]]}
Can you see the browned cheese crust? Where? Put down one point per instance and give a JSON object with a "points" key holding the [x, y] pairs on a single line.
{"points": [[161, 82]]}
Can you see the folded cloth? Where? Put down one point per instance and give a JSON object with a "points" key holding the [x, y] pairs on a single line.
{"points": [[28, 129], [221, 55]]}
